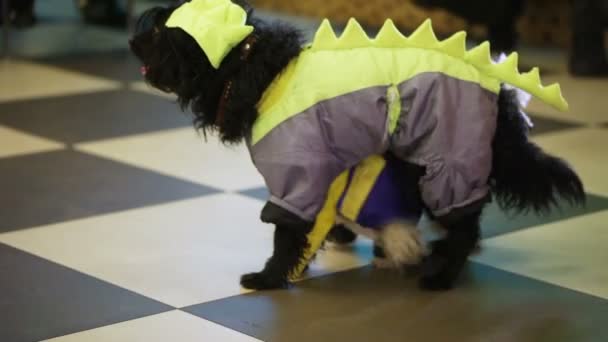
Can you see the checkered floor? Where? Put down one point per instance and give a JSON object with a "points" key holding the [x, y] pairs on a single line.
{"points": [[118, 223]]}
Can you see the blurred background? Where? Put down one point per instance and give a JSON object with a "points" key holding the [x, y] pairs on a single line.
{"points": [[53, 27], [119, 223]]}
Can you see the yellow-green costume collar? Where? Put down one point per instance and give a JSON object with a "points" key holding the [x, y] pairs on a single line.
{"points": [[216, 25], [389, 59]]}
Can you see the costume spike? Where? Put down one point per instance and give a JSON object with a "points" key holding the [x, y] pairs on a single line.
{"points": [[554, 91], [532, 77], [353, 36], [389, 36], [455, 46], [510, 65], [480, 55], [325, 38], [424, 37]]}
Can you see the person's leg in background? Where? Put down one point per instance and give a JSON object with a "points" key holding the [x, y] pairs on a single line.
{"points": [[21, 13], [500, 16], [588, 51], [502, 30], [103, 12]]}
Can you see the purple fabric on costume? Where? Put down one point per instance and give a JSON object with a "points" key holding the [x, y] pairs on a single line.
{"points": [[386, 202], [445, 125]]}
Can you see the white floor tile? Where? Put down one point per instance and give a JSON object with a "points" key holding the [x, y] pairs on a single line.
{"points": [[21, 80], [13, 142], [165, 327], [587, 150], [182, 253], [570, 253], [335, 258], [183, 153]]}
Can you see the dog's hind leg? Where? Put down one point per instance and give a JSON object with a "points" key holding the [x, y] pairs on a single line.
{"points": [[449, 255]]}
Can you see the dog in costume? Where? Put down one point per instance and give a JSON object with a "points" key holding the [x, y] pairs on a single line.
{"points": [[309, 112]]}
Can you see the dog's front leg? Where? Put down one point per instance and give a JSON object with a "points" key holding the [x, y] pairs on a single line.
{"points": [[290, 242], [449, 255], [289, 246]]}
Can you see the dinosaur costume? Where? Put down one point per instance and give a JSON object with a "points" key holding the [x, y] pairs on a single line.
{"points": [[345, 99], [342, 100]]}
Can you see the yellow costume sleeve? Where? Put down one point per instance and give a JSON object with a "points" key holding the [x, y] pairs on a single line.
{"points": [[363, 180], [325, 221]]}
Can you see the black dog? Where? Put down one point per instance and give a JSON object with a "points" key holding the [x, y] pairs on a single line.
{"points": [[523, 177]]}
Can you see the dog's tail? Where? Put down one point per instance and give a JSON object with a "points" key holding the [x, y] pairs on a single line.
{"points": [[523, 176]]}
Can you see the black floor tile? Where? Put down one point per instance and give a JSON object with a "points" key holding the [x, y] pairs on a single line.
{"points": [[118, 65], [40, 299], [44, 188], [94, 116], [375, 305], [257, 193], [496, 222]]}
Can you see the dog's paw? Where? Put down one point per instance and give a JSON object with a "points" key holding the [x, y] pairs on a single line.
{"points": [[262, 281], [437, 282], [436, 274]]}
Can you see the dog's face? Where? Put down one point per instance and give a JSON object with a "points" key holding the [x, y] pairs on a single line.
{"points": [[173, 62], [170, 58], [147, 46]]}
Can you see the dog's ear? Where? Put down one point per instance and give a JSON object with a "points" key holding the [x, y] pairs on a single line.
{"points": [[245, 5]]}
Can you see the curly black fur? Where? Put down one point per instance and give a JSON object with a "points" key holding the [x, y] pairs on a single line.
{"points": [[523, 176], [449, 255], [290, 242], [176, 64]]}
